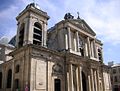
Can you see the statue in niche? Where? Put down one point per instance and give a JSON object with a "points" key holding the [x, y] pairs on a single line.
{"points": [[81, 46]]}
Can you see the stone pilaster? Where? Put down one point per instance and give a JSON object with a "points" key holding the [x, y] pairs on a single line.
{"points": [[75, 43], [89, 83], [69, 39], [98, 82], [77, 77], [28, 31], [89, 49], [80, 79], [68, 81], [17, 37], [77, 36], [94, 47], [71, 78], [95, 80], [66, 41], [92, 80], [26, 22], [44, 33]]}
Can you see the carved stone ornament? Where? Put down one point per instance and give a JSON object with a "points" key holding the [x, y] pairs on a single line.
{"points": [[57, 69]]}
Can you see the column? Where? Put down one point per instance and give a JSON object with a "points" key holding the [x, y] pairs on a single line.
{"points": [[75, 43], [89, 83], [97, 52], [17, 36], [44, 33], [26, 34], [77, 36], [89, 50], [68, 81], [86, 50], [95, 80], [77, 79], [66, 41], [69, 39], [80, 79], [98, 83], [71, 78], [30, 30], [92, 80], [94, 47]]}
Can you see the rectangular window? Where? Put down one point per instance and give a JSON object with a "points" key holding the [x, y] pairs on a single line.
{"points": [[114, 71], [115, 79], [99, 54], [119, 70]]}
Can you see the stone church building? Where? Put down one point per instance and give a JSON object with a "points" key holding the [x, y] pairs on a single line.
{"points": [[66, 57]]}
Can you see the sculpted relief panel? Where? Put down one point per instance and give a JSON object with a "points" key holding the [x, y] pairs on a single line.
{"points": [[40, 74]]}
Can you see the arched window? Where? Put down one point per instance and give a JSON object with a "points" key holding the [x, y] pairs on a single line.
{"points": [[21, 35], [0, 80], [37, 35], [9, 78], [17, 69]]}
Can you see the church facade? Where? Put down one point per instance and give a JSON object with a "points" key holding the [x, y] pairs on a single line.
{"points": [[67, 57]]}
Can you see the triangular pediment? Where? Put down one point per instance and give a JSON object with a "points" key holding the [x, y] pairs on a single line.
{"points": [[82, 25]]}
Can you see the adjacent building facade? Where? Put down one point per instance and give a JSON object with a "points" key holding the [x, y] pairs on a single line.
{"points": [[115, 76], [66, 57]]}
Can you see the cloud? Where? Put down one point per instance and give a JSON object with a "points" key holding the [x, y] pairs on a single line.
{"points": [[5, 4], [103, 17], [106, 21]]}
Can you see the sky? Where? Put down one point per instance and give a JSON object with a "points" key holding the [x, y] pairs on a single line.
{"points": [[102, 16]]}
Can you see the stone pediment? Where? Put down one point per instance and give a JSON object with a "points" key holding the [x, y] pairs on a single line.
{"points": [[82, 25]]}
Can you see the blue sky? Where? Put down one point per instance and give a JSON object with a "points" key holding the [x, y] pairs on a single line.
{"points": [[102, 16]]}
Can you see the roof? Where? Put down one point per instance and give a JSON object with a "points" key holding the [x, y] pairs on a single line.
{"points": [[34, 8], [83, 25], [12, 41], [116, 65], [78, 23]]}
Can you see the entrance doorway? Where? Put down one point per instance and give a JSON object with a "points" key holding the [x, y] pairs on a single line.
{"points": [[84, 82], [57, 85]]}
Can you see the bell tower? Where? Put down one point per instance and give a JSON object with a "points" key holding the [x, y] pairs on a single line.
{"points": [[32, 26]]}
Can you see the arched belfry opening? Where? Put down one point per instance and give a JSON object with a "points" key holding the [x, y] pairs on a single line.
{"points": [[84, 81], [37, 35], [35, 26], [9, 78], [57, 85]]}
